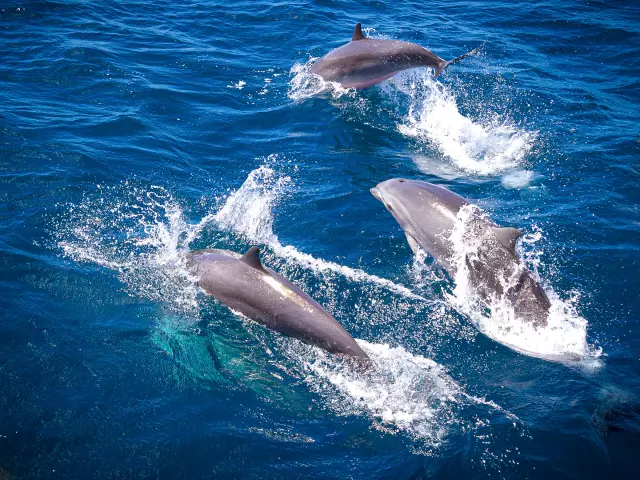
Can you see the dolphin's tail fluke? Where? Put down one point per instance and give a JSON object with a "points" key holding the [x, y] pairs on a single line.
{"points": [[444, 65]]}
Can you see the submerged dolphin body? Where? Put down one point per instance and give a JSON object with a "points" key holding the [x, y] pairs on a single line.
{"points": [[428, 214], [243, 284], [364, 62]]}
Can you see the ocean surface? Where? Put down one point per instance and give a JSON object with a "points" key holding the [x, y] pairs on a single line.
{"points": [[133, 132]]}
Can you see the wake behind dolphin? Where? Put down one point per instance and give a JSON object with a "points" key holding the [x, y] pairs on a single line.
{"points": [[365, 62]]}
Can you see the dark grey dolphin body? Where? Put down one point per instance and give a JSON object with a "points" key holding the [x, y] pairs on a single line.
{"points": [[243, 284], [364, 62], [428, 214]]}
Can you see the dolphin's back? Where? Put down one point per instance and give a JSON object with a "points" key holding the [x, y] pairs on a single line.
{"points": [[370, 60], [364, 62], [266, 297]]}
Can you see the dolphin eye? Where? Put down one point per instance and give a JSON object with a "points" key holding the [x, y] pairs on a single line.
{"points": [[402, 180]]}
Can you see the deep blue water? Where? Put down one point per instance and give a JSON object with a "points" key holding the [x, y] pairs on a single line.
{"points": [[131, 132]]}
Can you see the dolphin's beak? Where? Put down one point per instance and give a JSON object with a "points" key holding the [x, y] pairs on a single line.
{"points": [[376, 193]]}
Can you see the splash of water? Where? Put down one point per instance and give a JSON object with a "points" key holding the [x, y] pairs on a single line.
{"points": [[306, 85], [139, 233], [404, 393], [248, 210], [427, 110], [484, 146], [401, 392], [564, 338], [143, 235]]}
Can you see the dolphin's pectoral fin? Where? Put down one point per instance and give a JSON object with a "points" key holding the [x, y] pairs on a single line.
{"points": [[357, 33], [252, 258], [412, 243], [507, 236]]}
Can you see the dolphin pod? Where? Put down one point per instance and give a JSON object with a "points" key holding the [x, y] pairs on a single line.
{"points": [[364, 62], [243, 284], [428, 214]]}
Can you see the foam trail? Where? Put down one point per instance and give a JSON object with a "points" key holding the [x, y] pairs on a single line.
{"points": [[354, 274], [248, 211], [564, 338]]}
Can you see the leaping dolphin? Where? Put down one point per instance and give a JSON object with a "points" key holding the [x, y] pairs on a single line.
{"points": [[428, 214], [364, 62], [243, 284]]}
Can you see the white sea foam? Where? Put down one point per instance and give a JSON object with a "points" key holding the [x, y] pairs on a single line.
{"points": [[238, 86], [564, 338], [437, 167], [518, 179]]}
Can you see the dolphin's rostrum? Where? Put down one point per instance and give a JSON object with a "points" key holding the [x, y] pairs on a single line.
{"points": [[428, 214], [243, 284], [364, 62]]}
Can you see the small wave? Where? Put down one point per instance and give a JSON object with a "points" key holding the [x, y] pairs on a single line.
{"points": [[564, 338]]}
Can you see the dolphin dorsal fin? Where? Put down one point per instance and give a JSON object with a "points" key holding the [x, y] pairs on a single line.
{"points": [[507, 236], [357, 33], [252, 258]]}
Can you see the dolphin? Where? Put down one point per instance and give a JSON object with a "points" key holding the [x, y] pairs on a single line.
{"points": [[428, 214], [244, 285], [364, 62]]}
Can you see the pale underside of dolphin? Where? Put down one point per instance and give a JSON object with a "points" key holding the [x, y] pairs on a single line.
{"points": [[364, 62], [243, 284], [428, 214]]}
